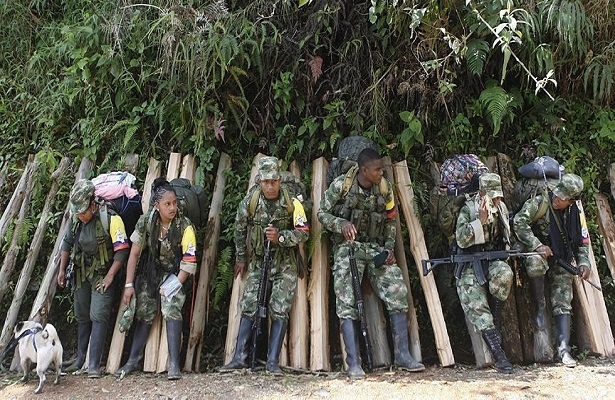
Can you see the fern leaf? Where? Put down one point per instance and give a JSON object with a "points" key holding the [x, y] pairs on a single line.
{"points": [[476, 54], [494, 101]]}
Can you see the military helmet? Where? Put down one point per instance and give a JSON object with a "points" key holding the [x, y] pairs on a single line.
{"points": [[491, 184], [81, 196], [569, 187], [268, 168]]}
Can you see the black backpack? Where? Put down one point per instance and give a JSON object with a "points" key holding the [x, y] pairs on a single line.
{"points": [[192, 201], [347, 155]]}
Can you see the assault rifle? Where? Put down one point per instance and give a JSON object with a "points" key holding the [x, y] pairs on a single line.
{"points": [[261, 312], [358, 297], [574, 270], [476, 259]]}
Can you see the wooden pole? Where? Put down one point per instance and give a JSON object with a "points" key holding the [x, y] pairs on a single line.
{"points": [[419, 251], [607, 229], [15, 203], [117, 340], [11, 258], [400, 255], [234, 310], [208, 266], [318, 290], [299, 324]]}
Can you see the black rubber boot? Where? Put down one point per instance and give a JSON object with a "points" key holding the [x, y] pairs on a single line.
{"points": [[137, 348], [403, 358], [174, 341], [537, 288], [494, 341], [276, 338], [562, 327], [240, 358], [97, 344], [351, 342], [83, 339]]}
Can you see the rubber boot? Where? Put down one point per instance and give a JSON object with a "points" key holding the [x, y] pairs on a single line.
{"points": [[240, 358], [351, 342], [276, 338], [83, 339], [537, 288], [137, 348], [494, 341], [399, 330], [174, 342], [97, 344], [562, 327]]}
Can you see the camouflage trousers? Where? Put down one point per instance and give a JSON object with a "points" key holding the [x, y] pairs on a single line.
{"points": [[283, 283], [473, 297], [387, 280], [92, 304], [560, 283], [147, 305]]}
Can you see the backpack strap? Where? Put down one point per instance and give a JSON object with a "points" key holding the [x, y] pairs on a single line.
{"points": [[350, 177], [544, 205], [256, 194]]}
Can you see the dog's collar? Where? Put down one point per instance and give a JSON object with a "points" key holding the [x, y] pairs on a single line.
{"points": [[28, 332]]}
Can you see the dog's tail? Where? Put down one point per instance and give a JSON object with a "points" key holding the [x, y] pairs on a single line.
{"points": [[49, 331]]}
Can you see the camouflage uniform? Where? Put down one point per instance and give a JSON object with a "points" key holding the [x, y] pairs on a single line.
{"points": [[294, 228], [472, 236], [175, 254], [372, 212], [532, 226]]}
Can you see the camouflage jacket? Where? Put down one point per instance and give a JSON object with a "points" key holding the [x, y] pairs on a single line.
{"points": [[336, 209], [294, 228], [531, 226], [469, 230]]}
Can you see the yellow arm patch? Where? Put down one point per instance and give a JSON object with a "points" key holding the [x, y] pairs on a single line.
{"points": [[299, 217]]}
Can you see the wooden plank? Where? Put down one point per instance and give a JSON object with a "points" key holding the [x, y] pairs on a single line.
{"points": [[607, 230], [188, 167], [405, 194], [207, 268], [318, 289], [376, 325], [234, 311], [299, 322], [400, 255], [153, 172], [15, 202], [174, 166]]}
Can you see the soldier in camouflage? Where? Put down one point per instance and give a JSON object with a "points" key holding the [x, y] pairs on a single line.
{"points": [[97, 256], [552, 223], [284, 226], [482, 225], [164, 245], [362, 215]]}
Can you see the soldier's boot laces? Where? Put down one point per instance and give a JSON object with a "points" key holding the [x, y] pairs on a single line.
{"points": [[84, 329], [494, 341], [97, 344], [137, 348], [174, 343], [240, 358], [351, 342], [562, 326], [403, 358], [276, 338]]}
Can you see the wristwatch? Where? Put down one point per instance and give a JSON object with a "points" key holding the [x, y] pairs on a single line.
{"points": [[281, 239]]}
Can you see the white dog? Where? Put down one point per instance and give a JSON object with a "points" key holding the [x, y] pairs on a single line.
{"points": [[41, 346]]}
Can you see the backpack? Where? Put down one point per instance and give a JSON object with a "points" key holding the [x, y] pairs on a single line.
{"points": [[542, 168], [459, 174], [114, 190], [537, 176], [347, 155], [290, 187], [459, 181], [192, 201]]}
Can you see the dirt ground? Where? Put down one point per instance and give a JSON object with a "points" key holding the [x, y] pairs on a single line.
{"points": [[591, 379]]}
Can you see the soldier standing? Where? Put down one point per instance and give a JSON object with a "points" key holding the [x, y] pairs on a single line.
{"points": [[97, 255], [552, 224], [482, 225], [362, 216], [284, 226]]}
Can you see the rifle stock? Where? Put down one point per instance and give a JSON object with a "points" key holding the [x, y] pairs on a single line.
{"points": [[358, 296], [261, 311]]}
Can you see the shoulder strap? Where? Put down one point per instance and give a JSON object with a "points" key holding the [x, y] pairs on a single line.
{"points": [[290, 207], [104, 216], [348, 179], [544, 205]]}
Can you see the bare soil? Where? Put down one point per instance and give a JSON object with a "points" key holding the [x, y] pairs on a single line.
{"points": [[592, 379]]}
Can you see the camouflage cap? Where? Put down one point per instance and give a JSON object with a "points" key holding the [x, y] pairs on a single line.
{"points": [[268, 168], [81, 195], [491, 184], [128, 314], [569, 187]]}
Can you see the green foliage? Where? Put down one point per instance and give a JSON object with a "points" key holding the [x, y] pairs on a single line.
{"points": [[413, 132], [476, 54], [497, 104], [223, 281]]}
